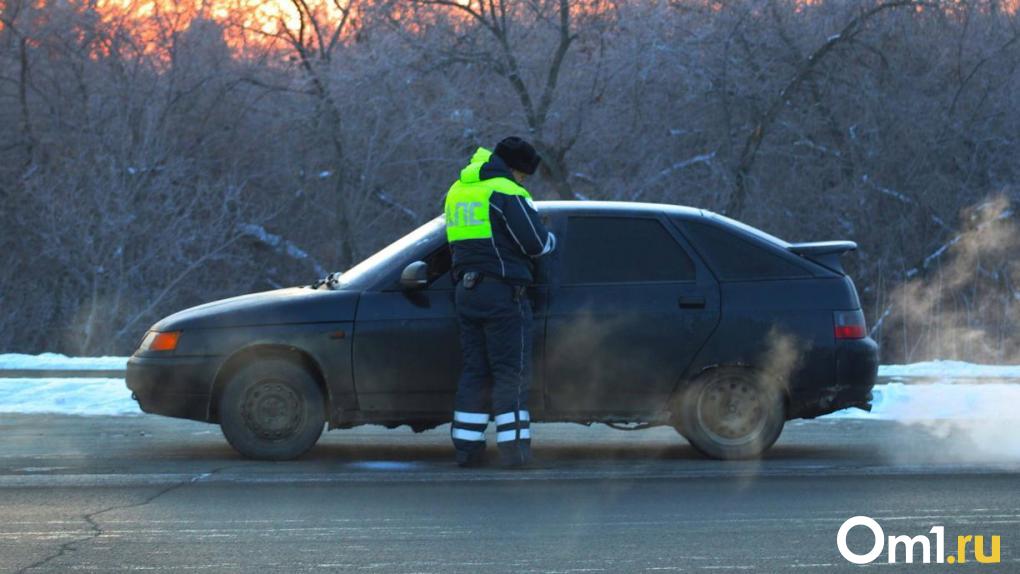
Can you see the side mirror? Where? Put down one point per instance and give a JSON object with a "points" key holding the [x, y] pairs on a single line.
{"points": [[415, 275]]}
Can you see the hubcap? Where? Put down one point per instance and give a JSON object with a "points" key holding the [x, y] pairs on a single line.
{"points": [[272, 410], [732, 411]]}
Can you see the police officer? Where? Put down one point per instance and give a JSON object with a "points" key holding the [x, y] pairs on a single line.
{"points": [[495, 234]]}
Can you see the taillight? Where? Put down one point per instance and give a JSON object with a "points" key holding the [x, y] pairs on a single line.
{"points": [[849, 324]]}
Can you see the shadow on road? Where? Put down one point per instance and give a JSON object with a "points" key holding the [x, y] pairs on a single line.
{"points": [[548, 454], [156, 444]]}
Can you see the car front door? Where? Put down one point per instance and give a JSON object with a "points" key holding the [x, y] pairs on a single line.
{"points": [[406, 356], [630, 307], [406, 342]]}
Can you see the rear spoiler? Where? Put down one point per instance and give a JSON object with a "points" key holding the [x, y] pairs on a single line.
{"points": [[826, 253]]}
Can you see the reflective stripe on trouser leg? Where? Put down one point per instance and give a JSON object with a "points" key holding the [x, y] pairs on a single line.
{"points": [[513, 426], [469, 426]]}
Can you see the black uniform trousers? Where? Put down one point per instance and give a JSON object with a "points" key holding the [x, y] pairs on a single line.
{"points": [[495, 338]]}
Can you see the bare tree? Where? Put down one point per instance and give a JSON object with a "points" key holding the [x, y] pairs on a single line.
{"points": [[320, 32], [154, 160], [502, 20], [803, 72]]}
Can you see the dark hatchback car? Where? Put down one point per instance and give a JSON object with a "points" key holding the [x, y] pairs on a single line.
{"points": [[646, 315]]}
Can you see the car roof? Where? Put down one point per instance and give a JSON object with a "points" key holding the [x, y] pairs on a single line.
{"points": [[617, 207]]}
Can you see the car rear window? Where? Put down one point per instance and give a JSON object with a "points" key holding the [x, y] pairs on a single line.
{"points": [[734, 258], [623, 250]]}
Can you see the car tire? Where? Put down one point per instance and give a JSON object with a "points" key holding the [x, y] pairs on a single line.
{"points": [[732, 413], [272, 410]]}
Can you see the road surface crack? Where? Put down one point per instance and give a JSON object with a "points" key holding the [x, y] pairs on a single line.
{"points": [[97, 530]]}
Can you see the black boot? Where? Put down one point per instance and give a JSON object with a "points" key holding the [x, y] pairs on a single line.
{"points": [[516, 454], [471, 459]]}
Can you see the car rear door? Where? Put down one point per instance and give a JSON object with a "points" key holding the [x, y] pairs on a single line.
{"points": [[630, 306]]}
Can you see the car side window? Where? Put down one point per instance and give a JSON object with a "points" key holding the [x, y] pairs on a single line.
{"points": [[623, 250], [736, 259]]}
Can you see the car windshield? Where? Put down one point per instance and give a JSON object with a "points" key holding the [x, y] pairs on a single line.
{"points": [[366, 270]]}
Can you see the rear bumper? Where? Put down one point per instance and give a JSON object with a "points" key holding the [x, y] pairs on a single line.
{"points": [[856, 373], [173, 386]]}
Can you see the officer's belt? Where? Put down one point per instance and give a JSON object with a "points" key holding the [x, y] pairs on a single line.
{"points": [[483, 276]]}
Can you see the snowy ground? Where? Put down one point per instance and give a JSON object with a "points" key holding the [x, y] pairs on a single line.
{"points": [[985, 393], [945, 370], [55, 361], [67, 396]]}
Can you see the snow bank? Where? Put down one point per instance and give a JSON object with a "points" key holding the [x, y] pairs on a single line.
{"points": [[950, 370], [56, 361], [893, 401], [67, 396], [940, 401]]}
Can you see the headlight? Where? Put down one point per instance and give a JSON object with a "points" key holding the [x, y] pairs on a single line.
{"points": [[157, 341]]}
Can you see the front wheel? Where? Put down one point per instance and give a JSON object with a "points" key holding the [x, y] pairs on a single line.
{"points": [[272, 410], [732, 413]]}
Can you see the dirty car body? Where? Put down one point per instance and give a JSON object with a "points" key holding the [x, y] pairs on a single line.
{"points": [[641, 304]]}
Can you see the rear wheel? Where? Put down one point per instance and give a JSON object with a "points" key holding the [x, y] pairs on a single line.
{"points": [[732, 413], [272, 410]]}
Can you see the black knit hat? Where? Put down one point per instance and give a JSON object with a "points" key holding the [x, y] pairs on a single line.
{"points": [[518, 154]]}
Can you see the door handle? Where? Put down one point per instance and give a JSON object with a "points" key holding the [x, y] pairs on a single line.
{"points": [[692, 302]]}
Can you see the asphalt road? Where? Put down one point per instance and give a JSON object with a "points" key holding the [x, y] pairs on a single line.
{"points": [[154, 494]]}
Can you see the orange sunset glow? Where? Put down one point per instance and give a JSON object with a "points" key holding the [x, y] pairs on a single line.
{"points": [[151, 24], [248, 26]]}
